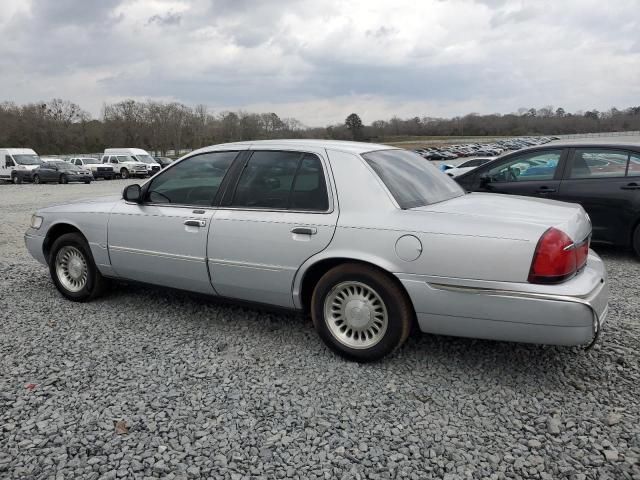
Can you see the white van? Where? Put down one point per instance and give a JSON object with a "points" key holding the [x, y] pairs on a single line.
{"points": [[18, 164], [137, 154]]}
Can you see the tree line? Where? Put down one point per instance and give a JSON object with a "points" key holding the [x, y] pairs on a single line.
{"points": [[60, 126]]}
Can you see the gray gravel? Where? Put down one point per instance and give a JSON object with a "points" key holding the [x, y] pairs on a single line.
{"points": [[151, 383]]}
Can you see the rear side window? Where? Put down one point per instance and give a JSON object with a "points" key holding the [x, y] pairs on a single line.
{"points": [[282, 180], [634, 165], [411, 179], [598, 163]]}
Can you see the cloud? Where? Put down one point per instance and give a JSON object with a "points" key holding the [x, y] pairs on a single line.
{"points": [[318, 61], [168, 19]]}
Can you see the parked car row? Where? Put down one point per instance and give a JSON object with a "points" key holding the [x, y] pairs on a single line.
{"points": [[20, 165], [450, 152]]}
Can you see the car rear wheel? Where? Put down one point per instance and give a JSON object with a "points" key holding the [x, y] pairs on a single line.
{"points": [[73, 270], [360, 312], [636, 240], [124, 173]]}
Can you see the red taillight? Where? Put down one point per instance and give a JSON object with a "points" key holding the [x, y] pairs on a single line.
{"points": [[557, 258]]}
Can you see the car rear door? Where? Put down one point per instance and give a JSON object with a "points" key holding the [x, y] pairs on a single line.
{"points": [[606, 182], [163, 239], [280, 211], [536, 174]]}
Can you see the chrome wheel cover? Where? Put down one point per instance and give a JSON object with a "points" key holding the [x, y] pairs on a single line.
{"points": [[71, 268], [356, 315]]}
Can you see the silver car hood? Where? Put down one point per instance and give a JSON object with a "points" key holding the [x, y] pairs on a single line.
{"points": [[569, 217], [96, 204]]}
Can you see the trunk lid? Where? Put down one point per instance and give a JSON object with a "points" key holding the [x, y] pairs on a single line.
{"points": [[568, 217]]}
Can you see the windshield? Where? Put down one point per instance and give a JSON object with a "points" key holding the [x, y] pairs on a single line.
{"points": [[65, 166], [144, 158], [27, 159], [411, 179]]}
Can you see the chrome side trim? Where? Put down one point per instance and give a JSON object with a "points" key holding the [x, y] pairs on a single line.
{"points": [[157, 254], [256, 266], [541, 296]]}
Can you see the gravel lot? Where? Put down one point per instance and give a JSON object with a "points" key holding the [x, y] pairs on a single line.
{"points": [[211, 390]]}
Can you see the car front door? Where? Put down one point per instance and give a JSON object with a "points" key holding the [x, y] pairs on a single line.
{"points": [[280, 212], [48, 173], [163, 239], [536, 174], [606, 182]]}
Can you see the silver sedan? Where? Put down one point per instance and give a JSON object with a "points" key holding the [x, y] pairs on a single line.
{"points": [[369, 239]]}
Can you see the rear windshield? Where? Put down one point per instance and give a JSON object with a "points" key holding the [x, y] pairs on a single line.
{"points": [[411, 179]]}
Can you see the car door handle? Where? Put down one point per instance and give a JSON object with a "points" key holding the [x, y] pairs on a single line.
{"points": [[631, 186], [192, 222], [545, 190], [304, 230]]}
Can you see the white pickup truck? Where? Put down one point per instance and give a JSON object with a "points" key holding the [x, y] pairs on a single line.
{"points": [[125, 165], [98, 169]]}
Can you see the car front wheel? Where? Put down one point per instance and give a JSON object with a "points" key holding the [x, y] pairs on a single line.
{"points": [[63, 179], [36, 179], [17, 179], [73, 270], [360, 312], [124, 173]]}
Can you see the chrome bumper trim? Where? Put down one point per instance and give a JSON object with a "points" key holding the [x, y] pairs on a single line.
{"points": [[541, 296]]}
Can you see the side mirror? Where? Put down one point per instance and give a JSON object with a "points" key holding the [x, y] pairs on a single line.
{"points": [[132, 193]]}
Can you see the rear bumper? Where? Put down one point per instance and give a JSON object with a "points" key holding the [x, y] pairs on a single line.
{"points": [[573, 314]]}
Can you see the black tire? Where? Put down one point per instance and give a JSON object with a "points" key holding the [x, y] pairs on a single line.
{"points": [[400, 313], [124, 173], [16, 179], [63, 179], [36, 179], [95, 283], [636, 240], [87, 182]]}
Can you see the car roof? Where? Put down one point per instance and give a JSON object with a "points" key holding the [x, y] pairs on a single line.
{"points": [[123, 151], [340, 145], [19, 151], [583, 144]]}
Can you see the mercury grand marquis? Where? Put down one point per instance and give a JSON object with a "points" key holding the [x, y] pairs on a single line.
{"points": [[367, 238]]}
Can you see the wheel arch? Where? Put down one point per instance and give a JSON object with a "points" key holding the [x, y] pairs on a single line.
{"points": [[311, 272], [55, 232]]}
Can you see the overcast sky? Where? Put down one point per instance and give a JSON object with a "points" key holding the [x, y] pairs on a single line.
{"points": [[320, 60]]}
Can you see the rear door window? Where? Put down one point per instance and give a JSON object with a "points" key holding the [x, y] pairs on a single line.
{"points": [[598, 163], [282, 180]]}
